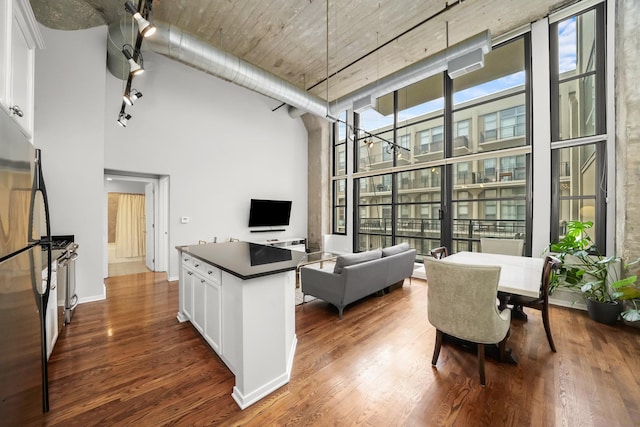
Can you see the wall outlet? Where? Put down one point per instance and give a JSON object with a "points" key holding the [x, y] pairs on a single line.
{"points": [[184, 219]]}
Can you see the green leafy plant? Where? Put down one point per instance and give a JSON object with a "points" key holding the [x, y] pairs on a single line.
{"points": [[584, 268]]}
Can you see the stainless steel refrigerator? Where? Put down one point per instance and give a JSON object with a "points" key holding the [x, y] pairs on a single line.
{"points": [[25, 250]]}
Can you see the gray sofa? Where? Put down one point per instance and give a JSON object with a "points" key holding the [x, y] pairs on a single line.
{"points": [[357, 275]]}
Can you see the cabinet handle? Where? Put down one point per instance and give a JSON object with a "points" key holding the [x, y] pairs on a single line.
{"points": [[16, 110], [190, 273], [201, 280], [185, 259], [209, 272], [196, 265]]}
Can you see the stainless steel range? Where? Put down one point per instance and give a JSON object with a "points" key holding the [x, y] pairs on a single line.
{"points": [[67, 251]]}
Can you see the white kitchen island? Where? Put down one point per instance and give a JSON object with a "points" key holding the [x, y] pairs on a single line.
{"points": [[240, 296]]}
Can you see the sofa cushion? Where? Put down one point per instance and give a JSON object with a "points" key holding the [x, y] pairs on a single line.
{"points": [[396, 249], [357, 258]]}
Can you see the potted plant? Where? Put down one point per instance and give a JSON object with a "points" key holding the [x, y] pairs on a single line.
{"points": [[596, 276]]}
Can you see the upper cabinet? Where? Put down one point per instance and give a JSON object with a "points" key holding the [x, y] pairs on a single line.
{"points": [[19, 38]]}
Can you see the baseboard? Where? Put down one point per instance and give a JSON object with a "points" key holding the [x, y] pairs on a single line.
{"points": [[246, 400], [95, 298]]}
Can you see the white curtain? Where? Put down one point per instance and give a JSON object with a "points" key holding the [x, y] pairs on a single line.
{"points": [[130, 226]]}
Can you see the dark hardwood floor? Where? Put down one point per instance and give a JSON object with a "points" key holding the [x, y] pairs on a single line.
{"points": [[127, 361]]}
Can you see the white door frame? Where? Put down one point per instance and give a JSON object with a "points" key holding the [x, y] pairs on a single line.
{"points": [[160, 217]]}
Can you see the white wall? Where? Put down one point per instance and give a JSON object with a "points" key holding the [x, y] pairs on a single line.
{"points": [[69, 128], [219, 144]]}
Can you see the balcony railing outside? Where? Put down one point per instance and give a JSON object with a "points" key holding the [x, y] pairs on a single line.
{"points": [[491, 175], [466, 232]]}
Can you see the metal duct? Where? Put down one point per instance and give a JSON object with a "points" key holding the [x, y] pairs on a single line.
{"points": [[411, 74], [171, 41], [174, 43], [116, 62]]}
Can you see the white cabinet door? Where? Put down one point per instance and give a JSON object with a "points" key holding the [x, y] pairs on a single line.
{"points": [[187, 292], [213, 315], [20, 36], [198, 303], [5, 50]]}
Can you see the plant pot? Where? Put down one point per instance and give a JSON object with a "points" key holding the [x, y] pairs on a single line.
{"points": [[627, 305], [603, 312]]}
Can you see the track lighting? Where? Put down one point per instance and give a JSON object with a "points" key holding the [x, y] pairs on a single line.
{"points": [[123, 118], [134, 67], [130, 96], [145, 27]]}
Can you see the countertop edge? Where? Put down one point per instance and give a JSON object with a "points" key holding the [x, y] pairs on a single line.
{"points": [[184, 249]]}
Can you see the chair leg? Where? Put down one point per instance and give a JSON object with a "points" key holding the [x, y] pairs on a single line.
{"points": [[436, 348], [502, 347], [547, 327], [481, 363]]}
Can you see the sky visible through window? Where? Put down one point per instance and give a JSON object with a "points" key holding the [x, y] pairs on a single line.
{"points": [[567, 45], [371, 119]]}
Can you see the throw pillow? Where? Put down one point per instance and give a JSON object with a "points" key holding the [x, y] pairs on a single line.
{"points": [[396, 249], [357, 258]]}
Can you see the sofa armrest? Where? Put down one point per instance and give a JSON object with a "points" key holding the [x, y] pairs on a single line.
{"points": [[323, 284]]}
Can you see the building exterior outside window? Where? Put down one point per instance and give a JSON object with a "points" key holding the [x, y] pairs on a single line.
{"points": [[578, 123], [339, 183], [466, 172]]}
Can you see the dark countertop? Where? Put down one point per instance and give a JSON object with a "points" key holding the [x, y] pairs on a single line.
{"points": [[244, 259]]}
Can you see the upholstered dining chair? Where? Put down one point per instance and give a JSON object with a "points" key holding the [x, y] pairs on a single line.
{"points": [[462, 303], [494, 245], [541, 303], [439, 253]]}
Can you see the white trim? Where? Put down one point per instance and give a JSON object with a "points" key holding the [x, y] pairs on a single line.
{"points": [[574, 9], [576, 142], [541, 123], [610, 201], [29, 24], [95, 297]]}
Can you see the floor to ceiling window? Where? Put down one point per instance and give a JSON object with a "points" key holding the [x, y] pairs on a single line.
{"points": [[578, 122], [409, 145], [339, 182], [448, 161]]}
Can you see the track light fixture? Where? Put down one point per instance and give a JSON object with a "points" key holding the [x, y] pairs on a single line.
{"points": [[145, 27], [130, 96], [123, 118], [134, 67]]}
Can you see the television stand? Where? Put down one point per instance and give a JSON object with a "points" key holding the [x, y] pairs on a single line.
{"points": [[294, 243]]}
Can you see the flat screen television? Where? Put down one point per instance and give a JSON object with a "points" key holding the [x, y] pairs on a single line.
{"points": [[268, 213]]}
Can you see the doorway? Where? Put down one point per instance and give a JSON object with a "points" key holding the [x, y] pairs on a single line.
{"points": [[127, 213], [133, 230]]}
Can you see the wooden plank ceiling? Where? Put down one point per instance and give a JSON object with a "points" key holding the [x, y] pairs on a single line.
{"points": [[366, 39]]}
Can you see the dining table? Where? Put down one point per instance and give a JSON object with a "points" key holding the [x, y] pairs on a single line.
{"points": [[519, 275]]}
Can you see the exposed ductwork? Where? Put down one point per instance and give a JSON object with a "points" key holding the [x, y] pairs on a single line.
{"points": [[176, 44], [171, 41]]}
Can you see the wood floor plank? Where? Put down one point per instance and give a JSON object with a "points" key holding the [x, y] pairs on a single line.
{"points": [[128, 361]]}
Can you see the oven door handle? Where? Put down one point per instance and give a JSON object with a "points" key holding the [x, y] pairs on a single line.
{"points": [[73, 302]]}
